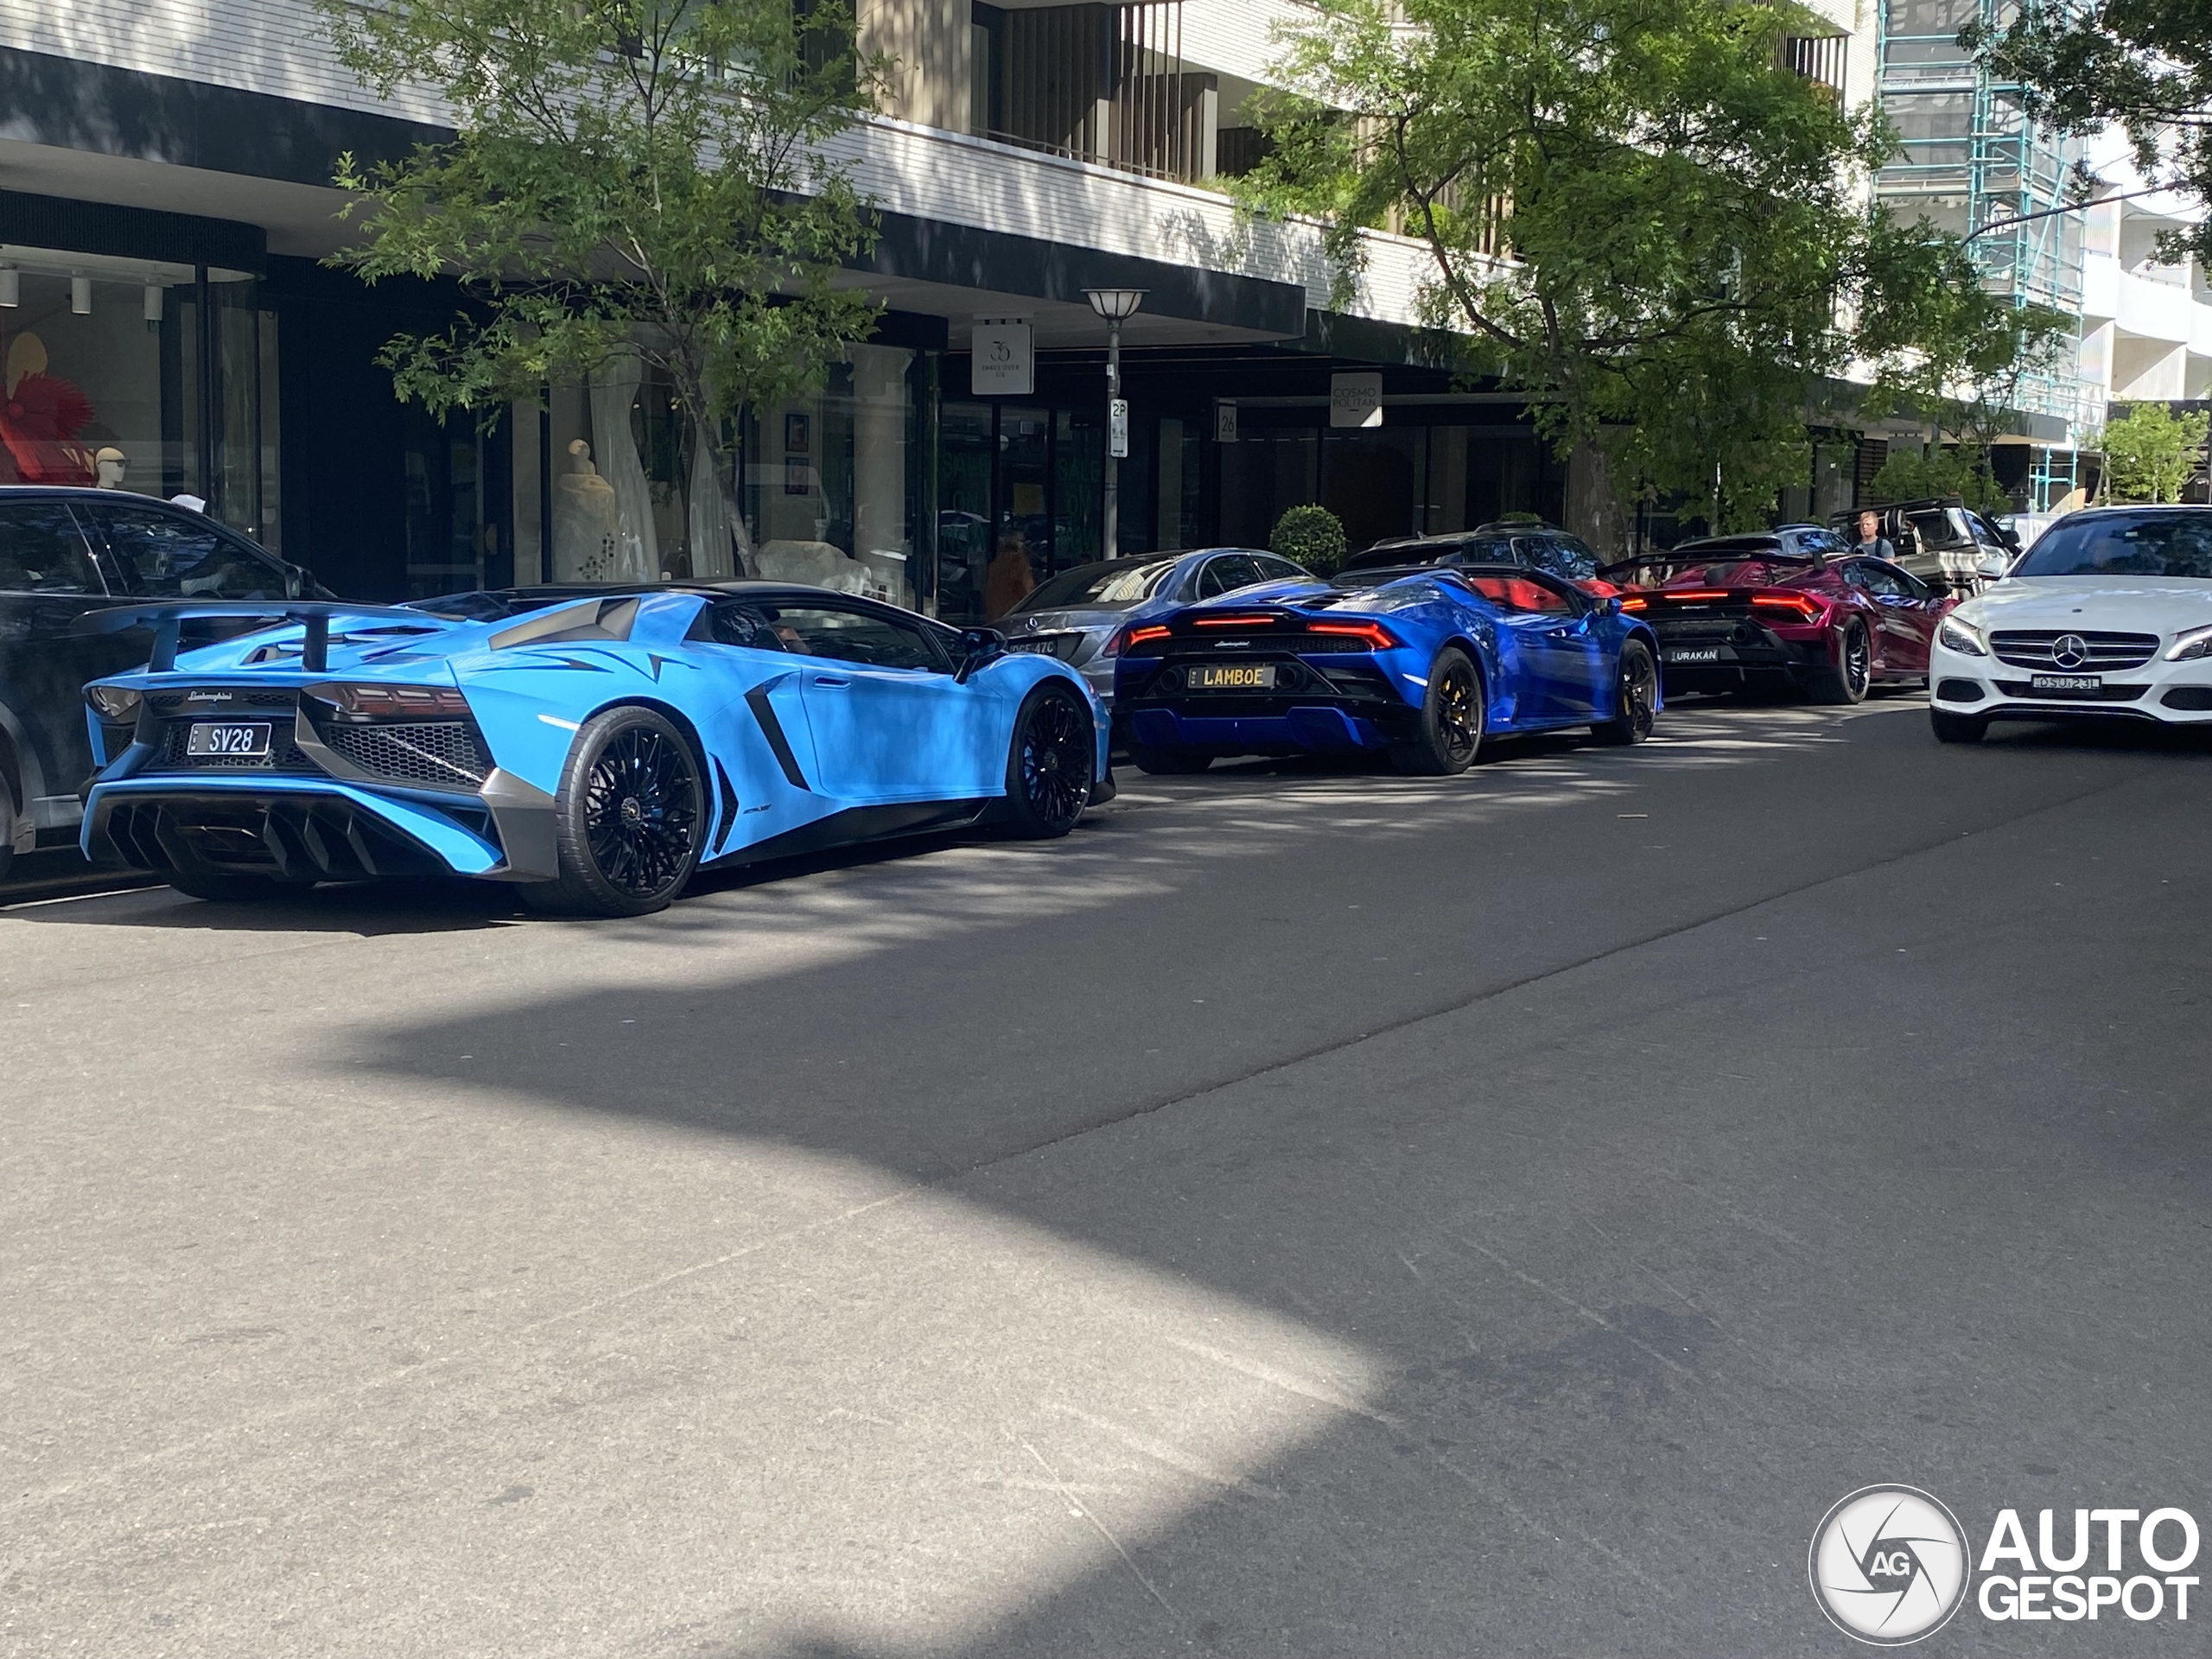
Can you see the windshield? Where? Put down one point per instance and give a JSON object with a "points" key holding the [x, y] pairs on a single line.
{"points": [[1110, 585], [2125, 544]]}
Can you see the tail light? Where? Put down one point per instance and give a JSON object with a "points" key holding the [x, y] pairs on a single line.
{"points": [[1636, 602], [1377, 637], [1132, 637], [379, 701], [1808, 609]]}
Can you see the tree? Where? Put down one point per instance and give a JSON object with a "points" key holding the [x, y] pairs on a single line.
{"points": [[627, 178], [1311, 536], [2150, 452], [1693, 261], [2145, 66]]}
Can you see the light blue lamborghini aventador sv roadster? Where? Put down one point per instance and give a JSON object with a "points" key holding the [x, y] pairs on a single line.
{"points": [[596, 746]]}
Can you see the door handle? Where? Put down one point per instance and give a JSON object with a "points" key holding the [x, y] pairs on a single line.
{"points": [[829, 679]]}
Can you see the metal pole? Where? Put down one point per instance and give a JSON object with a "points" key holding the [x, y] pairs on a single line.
{"points": [[1113, 491]]}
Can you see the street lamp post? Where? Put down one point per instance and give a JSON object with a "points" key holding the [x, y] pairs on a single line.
{"points": [[1114, 304]]}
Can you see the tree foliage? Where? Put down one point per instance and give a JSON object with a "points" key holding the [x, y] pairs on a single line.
{"points": [[1693, 261], [626, 176], [2142, 65], [2150, 452], [1936, 471]]}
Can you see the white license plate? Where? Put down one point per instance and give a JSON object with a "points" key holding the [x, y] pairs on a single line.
{"points": [[212, 737], [2067, 685], [1685, 654]]}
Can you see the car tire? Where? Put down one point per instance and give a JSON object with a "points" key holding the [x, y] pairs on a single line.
{"points": [[1051, 764], [627, 818], [1636, 688], [1844, 681], [1167, 763], [1957, 728], [1452, 723]]}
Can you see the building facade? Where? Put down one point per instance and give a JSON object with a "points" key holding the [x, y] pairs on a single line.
{"points": [[1971, 161], [166, 212]]}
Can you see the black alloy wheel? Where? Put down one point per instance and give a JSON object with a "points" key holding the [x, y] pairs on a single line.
{"points": [[1636, 690], [1846, 681], [1050, 764], [626, 819], [1451, 720]]}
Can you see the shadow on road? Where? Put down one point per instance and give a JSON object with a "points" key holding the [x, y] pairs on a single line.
{"points": [[1658, 1242]]}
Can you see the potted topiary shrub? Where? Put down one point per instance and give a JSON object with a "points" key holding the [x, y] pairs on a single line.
{"points": [[1311, 536]]}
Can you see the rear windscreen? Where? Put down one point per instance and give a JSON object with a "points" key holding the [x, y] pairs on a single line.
{"points": [[1100, 587]]}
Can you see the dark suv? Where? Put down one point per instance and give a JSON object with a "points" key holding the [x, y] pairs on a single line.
{"points": [[1539, 546], [64, 552]]}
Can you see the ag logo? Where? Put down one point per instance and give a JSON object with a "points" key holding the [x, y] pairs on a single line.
{"points": [[1889, 1565]]}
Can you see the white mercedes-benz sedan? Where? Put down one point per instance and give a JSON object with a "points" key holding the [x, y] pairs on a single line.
{"points": [[2108, 616]]}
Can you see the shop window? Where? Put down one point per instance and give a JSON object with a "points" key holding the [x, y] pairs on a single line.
{"points": [[964, 514], [831, 478], [142, 377], [1079, 490]]}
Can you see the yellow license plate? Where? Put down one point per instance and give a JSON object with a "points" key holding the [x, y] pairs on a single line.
{"points": [[1231, 677]]}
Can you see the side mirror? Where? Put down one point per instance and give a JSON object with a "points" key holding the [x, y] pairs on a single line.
{"points": [[978, 647], [1992, 566], [1937, 587], [295, 581]]}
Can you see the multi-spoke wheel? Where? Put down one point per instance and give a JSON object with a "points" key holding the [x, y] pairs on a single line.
{"points": [[1451, 720], [627, 818], [1050, 765], [1635, 695], [1845, 681]]}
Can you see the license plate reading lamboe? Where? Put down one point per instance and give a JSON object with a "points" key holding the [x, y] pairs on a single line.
{"points": [[1231, 677], [2068, 685], [207, 737]]}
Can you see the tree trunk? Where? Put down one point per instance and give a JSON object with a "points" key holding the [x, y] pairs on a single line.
{"points": [[1593, 505]]}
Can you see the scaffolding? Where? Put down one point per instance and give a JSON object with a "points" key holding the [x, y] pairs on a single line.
{"points": [[1969, 157]]}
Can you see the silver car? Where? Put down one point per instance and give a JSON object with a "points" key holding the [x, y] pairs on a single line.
{"points": [[1076, 612]]}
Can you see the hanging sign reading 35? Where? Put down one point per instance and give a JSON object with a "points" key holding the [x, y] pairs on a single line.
{"points": [[1003, 365]]}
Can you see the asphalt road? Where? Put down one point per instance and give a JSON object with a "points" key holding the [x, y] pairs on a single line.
{"points": [[1306, 1212]]}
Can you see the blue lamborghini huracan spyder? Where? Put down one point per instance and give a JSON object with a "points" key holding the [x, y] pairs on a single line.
{"points": [[596, 746], [1421, 664]]}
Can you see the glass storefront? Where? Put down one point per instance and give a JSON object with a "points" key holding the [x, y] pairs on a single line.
{"points": [[612, 484], [1415, 475], [139, 375]]}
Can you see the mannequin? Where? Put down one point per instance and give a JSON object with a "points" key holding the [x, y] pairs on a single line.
{"points": [[112, 464], [583, 520]]}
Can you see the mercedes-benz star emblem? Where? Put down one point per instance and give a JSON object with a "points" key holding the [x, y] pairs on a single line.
{"points": [[2069, 651]]}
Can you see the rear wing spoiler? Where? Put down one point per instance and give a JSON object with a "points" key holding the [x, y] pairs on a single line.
{"points": [[167, 619]]}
